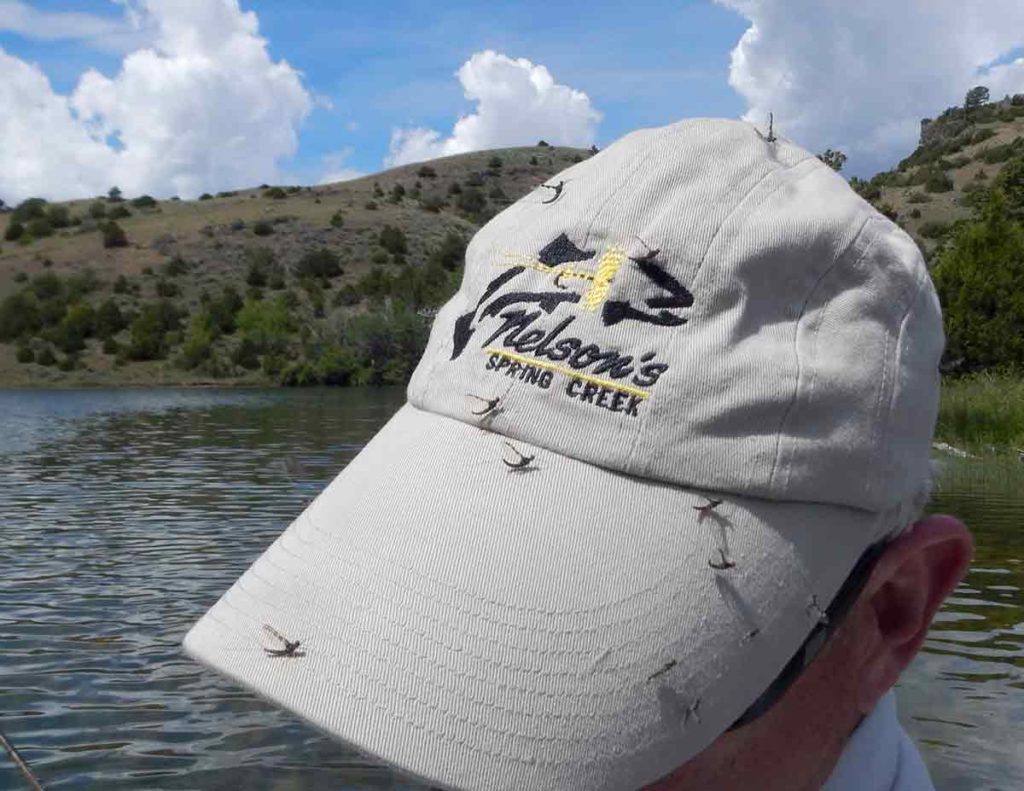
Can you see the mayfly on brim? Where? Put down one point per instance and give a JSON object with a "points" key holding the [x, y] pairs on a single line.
{"points": [[290, 646]]}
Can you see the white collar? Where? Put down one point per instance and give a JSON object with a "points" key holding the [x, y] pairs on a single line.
{"points": [[880, 756]]}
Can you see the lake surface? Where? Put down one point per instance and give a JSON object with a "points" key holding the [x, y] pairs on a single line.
{"points": [[125, 514]]}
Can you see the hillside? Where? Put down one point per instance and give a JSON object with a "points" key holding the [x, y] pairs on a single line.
{"points": [[949, 175], [258, 286]]}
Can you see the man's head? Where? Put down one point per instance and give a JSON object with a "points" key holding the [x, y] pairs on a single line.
{"points": [[795, 744], [670, 407]]}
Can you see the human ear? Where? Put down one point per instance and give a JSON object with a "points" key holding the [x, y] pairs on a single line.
{"points": [[911, 579]]}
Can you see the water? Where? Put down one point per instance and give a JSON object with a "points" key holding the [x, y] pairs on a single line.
{"points": [[123, 515]]}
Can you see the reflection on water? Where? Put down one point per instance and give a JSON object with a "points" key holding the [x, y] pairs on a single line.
{"points": [[123, 515]]}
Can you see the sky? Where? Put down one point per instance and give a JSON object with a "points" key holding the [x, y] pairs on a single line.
{"points": [[180, 97]]}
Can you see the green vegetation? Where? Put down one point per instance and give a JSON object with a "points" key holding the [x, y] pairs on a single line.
{"points": [[982, 410]]}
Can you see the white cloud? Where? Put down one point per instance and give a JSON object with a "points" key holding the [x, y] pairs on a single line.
{"points": [[334, 167], [860, 76], [204, 108], [518, 102]]}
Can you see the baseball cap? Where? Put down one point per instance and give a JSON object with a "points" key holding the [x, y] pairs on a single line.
{"points": [[684, 385]]}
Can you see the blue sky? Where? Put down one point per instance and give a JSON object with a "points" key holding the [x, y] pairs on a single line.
{"points": [[347, 88], [383, 65]]}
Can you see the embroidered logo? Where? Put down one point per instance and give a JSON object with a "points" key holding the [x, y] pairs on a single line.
{"points": [[522, 347]]}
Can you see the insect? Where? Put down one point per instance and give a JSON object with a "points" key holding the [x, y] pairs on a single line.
{"points": [[691, 711], [723, 564], [557, 189], [522, 462], [290, 646], [751, 634], [651, 253], [816, 611], [662, 670], [490, 404], [708, 507]]}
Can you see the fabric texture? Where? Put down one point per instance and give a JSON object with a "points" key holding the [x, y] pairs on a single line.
{"points": [[668, 409], [880, 756]]}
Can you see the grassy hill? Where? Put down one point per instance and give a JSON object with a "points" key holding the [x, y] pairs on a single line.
{"points": [[949, 175], [269, 285]]}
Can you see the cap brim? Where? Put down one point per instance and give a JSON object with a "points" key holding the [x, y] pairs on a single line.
{"points": [[554, 627]]}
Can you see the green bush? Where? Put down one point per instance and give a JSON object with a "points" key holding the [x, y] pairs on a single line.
{"points": [[938, 181], [386, 343], [471, 201], [262, 228], [20, 277], [393, 240], [370, 205], [109, 319], [933, 229], [47, 286], [494, 163], [167, 288], [176, 266], [46, 356], [198, 345], [39, 228], [981, 410], [223, 311], [58, 216], [983, 134], [918, 197], [432, 203], [276, 193], [144, 202], [118, 213], [150, 328], [19, 315], [121, 285], [915, 213], [111, 346], [97, 210], [28, 210], [980, 281], [321, 263], [397, 193], [266, 325], [14, 231], [451, 253], [426, 172], [337, 219], [1011, 182], [206, 196], [25, 353], [114, 235], [79, 323], [114, 195]]}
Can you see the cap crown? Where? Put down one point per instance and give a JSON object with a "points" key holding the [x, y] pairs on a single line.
{"points": [[701, 306]]}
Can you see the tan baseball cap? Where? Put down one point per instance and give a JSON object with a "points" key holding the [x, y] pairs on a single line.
{"points": [[683, 387]]}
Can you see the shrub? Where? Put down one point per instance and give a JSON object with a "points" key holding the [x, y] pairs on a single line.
{"points": [[432, 204], [980, 281], [46, 356], [111, 346], [915, 213], [577, 158], [28, 210], [451, 253], [167, 288], [454, 188], [58, 216], [256, 274], [494, 163], [47, 286], [370, 205], [471, 201], [918, 197], [223, 311], [144, 202], [321, 263], [475, 179], [379, 257], [198, 345], [97, 210], [78, 324], [20, 277], [109, 319], [81, 283], [118, 213], [121, 285], [387, 344], [276, 193], [176, 266], [262, 228], [983, 134], [933, 229], [206, 196], [533, 161], [397, 193], [497, 193], [114, 235], [39, 228], [14, 231], [542, 144], [377, 191], [25, 353], [266, 325], [19, 315], [337, 219], [426, 172], [393, 240], [150, 328], [114, 195], [938, 181]]}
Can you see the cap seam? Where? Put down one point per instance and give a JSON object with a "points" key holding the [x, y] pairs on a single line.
{"points": [[837, 261], [674, 340]]}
